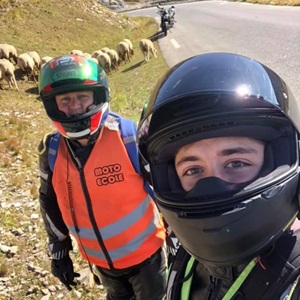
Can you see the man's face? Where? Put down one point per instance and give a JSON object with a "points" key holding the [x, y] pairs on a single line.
{"points": [[232, 159], [74, 103]]}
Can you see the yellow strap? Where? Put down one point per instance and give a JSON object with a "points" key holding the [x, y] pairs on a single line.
{"points": [[186, 286], [239, 281]]}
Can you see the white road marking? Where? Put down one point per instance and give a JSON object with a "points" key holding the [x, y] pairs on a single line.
{"points": [[174, 43]]}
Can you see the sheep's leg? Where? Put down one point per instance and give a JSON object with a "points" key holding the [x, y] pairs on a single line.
{"points": [[34, 77], [8, 79], [14, 81]]}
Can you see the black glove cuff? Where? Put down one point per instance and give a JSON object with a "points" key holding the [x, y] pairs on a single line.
{"points": [[60, 249]]}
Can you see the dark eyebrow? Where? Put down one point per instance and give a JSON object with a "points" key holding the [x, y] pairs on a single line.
{"points": [[187, 159], [238, 150], [224, 152]]}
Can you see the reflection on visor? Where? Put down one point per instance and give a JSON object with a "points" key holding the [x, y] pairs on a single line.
{"points": [[69, 67]]}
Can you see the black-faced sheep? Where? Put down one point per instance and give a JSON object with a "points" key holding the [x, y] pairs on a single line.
{"points": [[146, 47], [7, 72], [26, 64], [123, 51], [8, 52], [105, 62], [131, 51]]}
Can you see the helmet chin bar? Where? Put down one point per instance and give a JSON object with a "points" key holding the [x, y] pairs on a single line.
{"points": [[78, 135], [84, 127]]}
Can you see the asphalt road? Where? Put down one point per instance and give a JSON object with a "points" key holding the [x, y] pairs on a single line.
{"points": [[269, 34]]}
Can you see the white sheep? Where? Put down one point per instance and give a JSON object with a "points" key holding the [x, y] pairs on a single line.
{"points": [[123, 51], [87, 55], [95, 60], [7, 72], [114, 57], [8, 52], [45, 59], [131, 51], [76, 52], [105, 49], [26, 64], [36, 58], [96, 53], [146, 47], [105, 62]]}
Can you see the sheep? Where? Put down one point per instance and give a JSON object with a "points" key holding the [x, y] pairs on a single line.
{"points": [[76, 52], [105, 62], [95, 60], [26, 64], [146, 47], [36, 58], [8, 52], [114, 57], [7, 72], [87, 55], [105, 49], [131, 51], [96, 53], [45, 59], [123, 51]]}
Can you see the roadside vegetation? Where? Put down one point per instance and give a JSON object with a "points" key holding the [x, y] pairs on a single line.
{"points": [[273, 2]]}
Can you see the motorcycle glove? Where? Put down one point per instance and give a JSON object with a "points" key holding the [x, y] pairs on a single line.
{"points": [[64, 271]]}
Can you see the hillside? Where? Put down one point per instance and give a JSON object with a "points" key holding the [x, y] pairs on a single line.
{"points": [[52, 28]]}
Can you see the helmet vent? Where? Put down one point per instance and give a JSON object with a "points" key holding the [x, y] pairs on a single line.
{"points": [[207, 214], [181, 134], [203, 128]]}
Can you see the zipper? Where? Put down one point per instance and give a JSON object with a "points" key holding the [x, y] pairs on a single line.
{"points": [[93, 220], [212, 288], [89, 207]]}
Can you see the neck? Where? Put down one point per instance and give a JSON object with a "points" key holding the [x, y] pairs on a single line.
{"points": [[83, 142]]}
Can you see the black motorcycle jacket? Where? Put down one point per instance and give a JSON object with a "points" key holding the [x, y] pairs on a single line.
{"points": [[57, 231], [274, 275]]}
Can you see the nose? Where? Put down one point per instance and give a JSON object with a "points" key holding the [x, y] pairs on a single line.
{"points": [[213, 171], [74, 102]]}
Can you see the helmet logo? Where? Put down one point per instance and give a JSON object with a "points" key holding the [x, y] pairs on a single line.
{"points": [[66, 60], [68, 67]]}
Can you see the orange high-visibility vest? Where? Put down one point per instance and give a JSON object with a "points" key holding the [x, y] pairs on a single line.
{"points": [[105, 206]]}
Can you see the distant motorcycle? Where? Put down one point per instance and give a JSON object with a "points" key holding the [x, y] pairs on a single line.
{"points": [[167, 17]]}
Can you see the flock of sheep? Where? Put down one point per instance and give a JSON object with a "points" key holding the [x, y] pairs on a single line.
{"points": [[30, 63]]}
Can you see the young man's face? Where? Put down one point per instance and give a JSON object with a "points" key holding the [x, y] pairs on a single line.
{"points": [[232, 159], [74, 103]]}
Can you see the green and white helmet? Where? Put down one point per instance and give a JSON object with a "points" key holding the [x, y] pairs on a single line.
{"points": [[69, 73]]}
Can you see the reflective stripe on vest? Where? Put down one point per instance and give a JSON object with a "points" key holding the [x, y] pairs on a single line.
{"points": [[127, 218]]}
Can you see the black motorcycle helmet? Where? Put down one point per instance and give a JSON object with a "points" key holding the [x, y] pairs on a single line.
{"points": [[74, 73], [223, 95]]}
